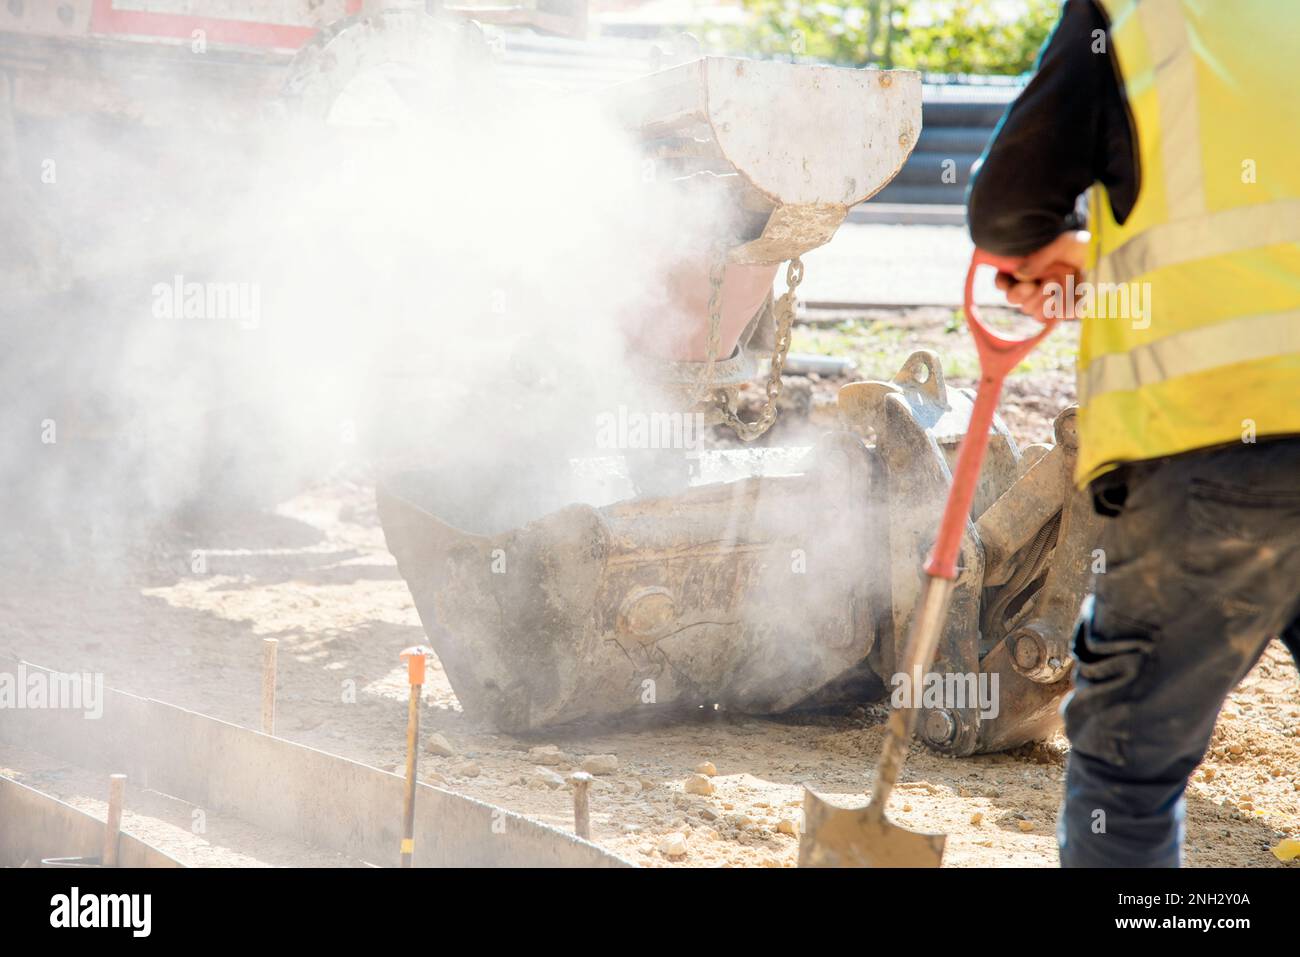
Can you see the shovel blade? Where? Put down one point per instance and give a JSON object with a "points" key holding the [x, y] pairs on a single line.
{"points": [[861, 837]]}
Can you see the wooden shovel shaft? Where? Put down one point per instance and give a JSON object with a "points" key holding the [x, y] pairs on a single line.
{"points": [[941, 575], [921, 646]]}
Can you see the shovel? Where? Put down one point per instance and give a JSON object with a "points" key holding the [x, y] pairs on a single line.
{"points": [[865, 837]]}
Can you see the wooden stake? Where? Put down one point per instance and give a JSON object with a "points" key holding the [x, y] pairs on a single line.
{"points": [[269, 646], [581, 782], [113, 823]]}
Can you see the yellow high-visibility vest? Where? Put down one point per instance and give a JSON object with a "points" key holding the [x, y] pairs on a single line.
{"points": [[1213, 244]]}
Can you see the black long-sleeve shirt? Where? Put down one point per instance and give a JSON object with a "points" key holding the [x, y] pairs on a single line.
{"points": [[1068, 129]]}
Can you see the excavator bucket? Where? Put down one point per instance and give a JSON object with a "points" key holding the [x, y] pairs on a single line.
{"points": [[745, 591], [780, 578]]}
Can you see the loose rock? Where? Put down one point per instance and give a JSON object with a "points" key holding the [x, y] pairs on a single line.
{"points": [[437, 744], [674, 845], [600, 763], [547, 777], [547, 754], [698, 784]]}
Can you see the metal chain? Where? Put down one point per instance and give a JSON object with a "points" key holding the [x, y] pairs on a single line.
{"points": [[784, 312]]}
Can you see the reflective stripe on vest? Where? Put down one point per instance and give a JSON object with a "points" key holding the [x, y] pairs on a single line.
{"points": [[1190, 352], [1216, 234]]}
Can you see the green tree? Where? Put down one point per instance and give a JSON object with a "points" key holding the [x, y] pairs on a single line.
{"points": [[939, 36]]}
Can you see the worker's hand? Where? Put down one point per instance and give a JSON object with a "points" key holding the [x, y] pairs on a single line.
{"points": [[1029, 288]]}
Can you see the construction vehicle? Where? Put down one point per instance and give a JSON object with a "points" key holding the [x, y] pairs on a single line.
{"points": [[765, 579]]}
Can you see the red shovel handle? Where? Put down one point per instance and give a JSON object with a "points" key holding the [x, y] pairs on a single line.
{"points": [[998, 356]]}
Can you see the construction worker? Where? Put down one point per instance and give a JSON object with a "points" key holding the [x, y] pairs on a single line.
{"points": [[1180, 118]]}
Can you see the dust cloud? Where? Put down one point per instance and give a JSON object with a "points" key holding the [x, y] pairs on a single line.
{"points": [[428, 273], [436, 269]]}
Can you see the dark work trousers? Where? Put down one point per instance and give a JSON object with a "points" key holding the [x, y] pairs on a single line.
{"points": [[1201, 569]]}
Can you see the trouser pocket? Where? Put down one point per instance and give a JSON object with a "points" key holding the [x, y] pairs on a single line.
{"points": [[1109, 667]]}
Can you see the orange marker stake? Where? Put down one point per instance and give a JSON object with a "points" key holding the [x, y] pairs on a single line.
{"points": [[416, 658]]}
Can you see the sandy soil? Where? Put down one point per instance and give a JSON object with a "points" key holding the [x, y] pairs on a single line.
{"points": [[178, 614]]}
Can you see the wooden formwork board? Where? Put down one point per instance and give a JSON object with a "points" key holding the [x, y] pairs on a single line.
{"points": [[304, 794]]}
